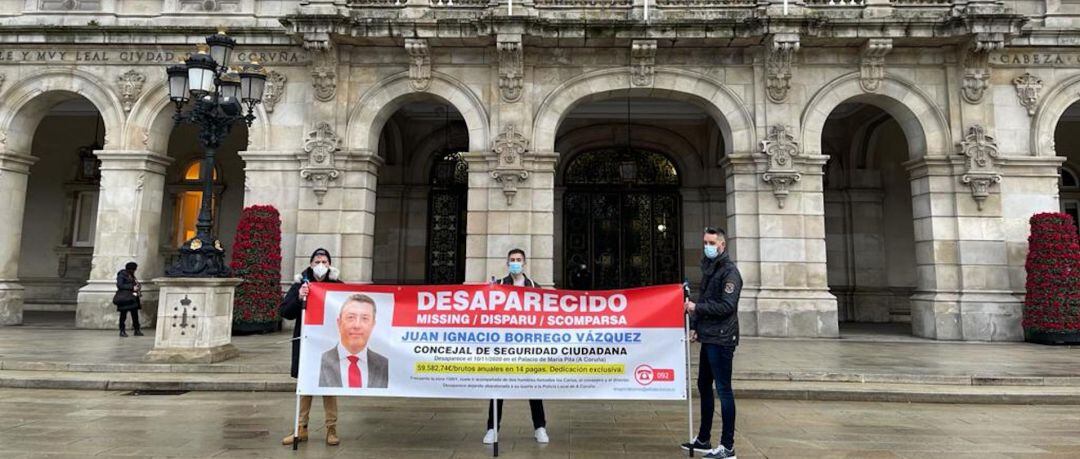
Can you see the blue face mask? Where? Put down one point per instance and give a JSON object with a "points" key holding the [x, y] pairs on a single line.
{"points": [[515, 267], [712, 251]]}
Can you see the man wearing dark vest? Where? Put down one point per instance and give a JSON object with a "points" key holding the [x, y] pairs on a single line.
{"points": [[515, 262]]}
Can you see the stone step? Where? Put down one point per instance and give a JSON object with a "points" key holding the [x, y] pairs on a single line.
{"points": [[260, 370], [757, 389]]}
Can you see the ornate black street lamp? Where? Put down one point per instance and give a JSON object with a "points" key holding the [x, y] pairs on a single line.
{"points": [[219, 94]]}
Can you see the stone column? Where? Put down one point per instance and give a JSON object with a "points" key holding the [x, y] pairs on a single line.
{"points": [[963, 290], [1029, 185], [508, 208], [14, 175], [356, 220], [128, 229], [777, 220], [273, 178]]}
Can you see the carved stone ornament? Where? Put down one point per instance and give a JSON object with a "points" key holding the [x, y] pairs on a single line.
{"points": [[1, 81], [642, 69], [1027, 89], [324, 75], [131, 86], [781, 149], [420, 63], [872, 64], [275, 90], [511, 67], [980, 150], [977, 68], [320, 145], [510, 148], [778, 58]]}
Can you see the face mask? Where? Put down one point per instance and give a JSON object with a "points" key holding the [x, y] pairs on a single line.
{"points": [[320, 270], [515, 267], [712, 251]]}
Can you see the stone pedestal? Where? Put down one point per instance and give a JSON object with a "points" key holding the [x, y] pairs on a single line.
{"points": [[11, 303], [194, 320]]}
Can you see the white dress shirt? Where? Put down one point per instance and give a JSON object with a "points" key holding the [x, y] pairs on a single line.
{"points": [[343, 363]]}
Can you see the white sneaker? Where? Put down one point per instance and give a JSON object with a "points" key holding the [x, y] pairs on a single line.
{"points": [[489, 437], [541, 435]]}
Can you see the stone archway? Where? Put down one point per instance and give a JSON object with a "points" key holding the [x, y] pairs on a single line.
{"points": [[29, 99], [365, 123], [923, 122], [1055, 102], [730, 113]]}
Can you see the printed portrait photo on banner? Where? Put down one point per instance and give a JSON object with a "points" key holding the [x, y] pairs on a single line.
{"points": [[351, 362]]}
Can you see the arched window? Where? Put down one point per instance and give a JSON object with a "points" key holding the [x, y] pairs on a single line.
{"points": [[447, 207], [188, 200]]}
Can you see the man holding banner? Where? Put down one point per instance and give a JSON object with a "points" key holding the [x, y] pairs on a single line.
{"points": [[515, 263], [715, 320], [319, 271]]}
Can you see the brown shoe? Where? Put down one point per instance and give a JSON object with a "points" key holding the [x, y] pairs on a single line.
{"points": [[331, 436], [288, 440]]}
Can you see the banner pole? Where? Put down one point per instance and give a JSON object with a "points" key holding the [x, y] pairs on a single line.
{"points": [[495, 417], [296, 420], [689, 391]]}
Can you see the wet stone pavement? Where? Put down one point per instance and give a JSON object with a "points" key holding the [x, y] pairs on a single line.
{"points": [[78, 424]]}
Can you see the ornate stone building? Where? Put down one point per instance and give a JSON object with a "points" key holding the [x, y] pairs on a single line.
{"points": [[873, 160]]}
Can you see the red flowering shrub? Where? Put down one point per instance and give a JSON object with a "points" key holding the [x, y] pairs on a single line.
{"points": [[1052, 304], [257, 259]]}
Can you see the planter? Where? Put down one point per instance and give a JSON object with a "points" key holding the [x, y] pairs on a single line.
{"points": [[255, 328], [1041, 337]]}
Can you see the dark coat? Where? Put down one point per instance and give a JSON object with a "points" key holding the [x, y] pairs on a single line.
{"points": [[509, 280], [292, 305], [716, 315], [125, 288]]}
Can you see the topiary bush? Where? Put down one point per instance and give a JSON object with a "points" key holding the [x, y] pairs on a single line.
{"points": [[1052, 303], [257, 260]]}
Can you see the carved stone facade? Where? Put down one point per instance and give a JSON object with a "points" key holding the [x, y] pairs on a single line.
{"points": [[130, 86], [780, 53], [275, 90], [781, 149], [980, 173], [320, 145], [755, 113]]}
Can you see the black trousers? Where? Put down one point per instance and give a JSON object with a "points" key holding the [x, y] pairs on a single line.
{"points": [[134, 318], [536, 406], [714, 365]]}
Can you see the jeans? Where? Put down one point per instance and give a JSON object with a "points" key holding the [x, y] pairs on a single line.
{"points": [[535, 406], [714, 364]]}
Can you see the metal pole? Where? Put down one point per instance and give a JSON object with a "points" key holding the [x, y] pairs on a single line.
{"points": [[495, 417], [296, 420], [689, 389]]}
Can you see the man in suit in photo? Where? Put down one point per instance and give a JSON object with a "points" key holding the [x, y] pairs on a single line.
{"points": [[351, 363]]}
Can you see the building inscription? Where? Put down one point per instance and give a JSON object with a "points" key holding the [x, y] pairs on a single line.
{"points": [[1032, 58], [267, 57]]}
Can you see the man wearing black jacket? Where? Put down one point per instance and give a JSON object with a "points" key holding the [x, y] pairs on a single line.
{"points": [[715, 322], [319, 271], [515, 263]]}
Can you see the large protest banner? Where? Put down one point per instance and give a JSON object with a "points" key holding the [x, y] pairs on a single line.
{"points": [[493, 341]]}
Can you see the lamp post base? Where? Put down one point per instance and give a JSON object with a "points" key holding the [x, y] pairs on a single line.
{"points": [[200, 257]]}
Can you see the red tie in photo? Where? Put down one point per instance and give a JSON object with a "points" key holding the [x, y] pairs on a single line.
{"points": [[354, 372]]}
